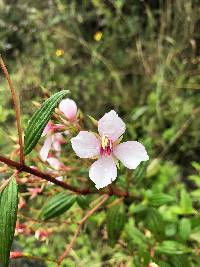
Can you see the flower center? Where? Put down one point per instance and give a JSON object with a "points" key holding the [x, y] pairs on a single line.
{"points": [[106, 146]]}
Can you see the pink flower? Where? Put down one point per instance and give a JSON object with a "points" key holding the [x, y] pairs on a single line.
{"points": [[106, 147], [69, 108], [22, 229], [53, 140], [41, 235], [55, 163], [34, 192]]}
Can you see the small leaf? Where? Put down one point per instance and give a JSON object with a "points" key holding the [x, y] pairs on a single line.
{"points": [[155, 222], [160, 199], [115, 223], [170, 229], [172, 248], [8, 217], [186, 203], [195, 235], [140, 172], [134, 236], [57, 205], [153, 168], [40, 119], [180, 260], [184, 228], [83, 201], [196, 165]]}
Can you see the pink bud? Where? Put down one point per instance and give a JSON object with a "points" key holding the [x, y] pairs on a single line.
{"points": [[41, 235], [22, 203], [69, 108], [16, 254], [34, 191], [21, 229]]}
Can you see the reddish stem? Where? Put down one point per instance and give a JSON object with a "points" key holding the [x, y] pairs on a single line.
{"points": [[17, 108], [46, 176]]}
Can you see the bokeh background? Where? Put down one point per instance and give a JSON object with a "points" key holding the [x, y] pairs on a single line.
{"points": [[140, 58]]}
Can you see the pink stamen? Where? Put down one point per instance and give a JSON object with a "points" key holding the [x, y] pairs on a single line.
{"points": [[106, 146]]}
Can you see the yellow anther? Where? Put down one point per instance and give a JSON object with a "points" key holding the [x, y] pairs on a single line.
{"points": [[104, 142]]}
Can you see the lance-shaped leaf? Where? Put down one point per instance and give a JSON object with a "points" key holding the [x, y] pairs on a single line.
{"points": [[159, 199], [83, 201], [40, 119], [172, 248], [57, 205], [115, 223], [8, 217]]}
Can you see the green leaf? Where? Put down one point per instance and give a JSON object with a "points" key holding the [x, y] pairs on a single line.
{"points": [[196, 194], [180, 260], [170, 229], [115, 223], [186, 203], [134, 236], [184, 228], [8, 217], [172, 248], [40, 119], [196, 165], [153, 168], [195, 235], [195, 178], [160, 199], [155, 222], [140, 172], [83, 201], [57, 205]]}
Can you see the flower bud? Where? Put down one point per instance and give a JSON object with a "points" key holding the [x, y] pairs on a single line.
{"points": [[69, 108]]}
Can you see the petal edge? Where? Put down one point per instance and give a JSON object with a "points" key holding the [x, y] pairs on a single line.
{"points": [[111, 125], [131, 153], [103, 172]]}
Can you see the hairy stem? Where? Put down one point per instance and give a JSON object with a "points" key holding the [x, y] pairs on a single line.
{"points": [[16, 106]]}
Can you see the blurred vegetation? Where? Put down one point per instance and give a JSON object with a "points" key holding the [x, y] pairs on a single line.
{"points": [[140, 58]]}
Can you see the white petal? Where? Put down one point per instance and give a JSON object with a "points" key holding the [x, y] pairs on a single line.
{"points": [[85, 145], [58, 140], [131, 153], [54, 163], [111, 125], [103, 172], [46, 147], [69, 108]]}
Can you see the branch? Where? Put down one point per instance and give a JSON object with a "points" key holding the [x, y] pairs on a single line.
{"points": [[84, 191], [16, 106], [19, 254], [79, 226]]}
